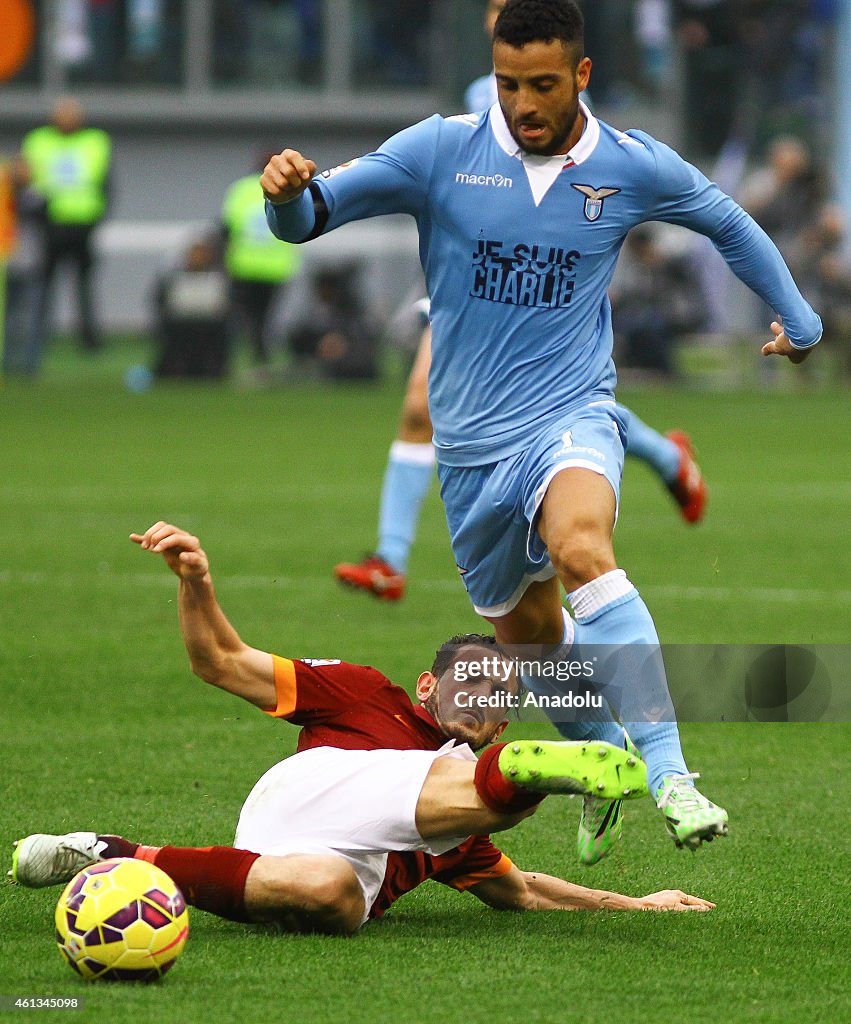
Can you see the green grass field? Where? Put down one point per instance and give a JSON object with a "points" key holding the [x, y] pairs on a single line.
{"points": [[103, 727]]}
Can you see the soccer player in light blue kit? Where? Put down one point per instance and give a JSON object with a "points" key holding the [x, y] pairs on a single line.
{"points": [[522, 210], [410, 463]]}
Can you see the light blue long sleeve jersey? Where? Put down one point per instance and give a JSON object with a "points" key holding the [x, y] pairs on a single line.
{"points": [[518, 253]]}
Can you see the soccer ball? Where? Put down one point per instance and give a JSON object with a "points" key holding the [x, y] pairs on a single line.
{"points": [[121, 919]]}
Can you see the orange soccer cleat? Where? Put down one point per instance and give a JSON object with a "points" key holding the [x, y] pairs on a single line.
{"points": [[373, 575], [688, 487]]}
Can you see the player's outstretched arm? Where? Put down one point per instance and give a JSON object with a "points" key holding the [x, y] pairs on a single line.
{"points": [[530, 890], [216, 652], [781, 346], [286, 176]]}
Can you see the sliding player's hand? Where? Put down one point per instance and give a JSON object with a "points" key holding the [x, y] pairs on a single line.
{"points": [[182, 552], [674, 899], [781, 346], [286, 176]]}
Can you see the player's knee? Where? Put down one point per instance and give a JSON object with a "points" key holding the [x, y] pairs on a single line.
{"points": [[306, 894], [416, 422], [581, 554], [333, 899], [503, 822]]}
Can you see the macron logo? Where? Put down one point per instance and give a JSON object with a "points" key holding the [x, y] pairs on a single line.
{"points": [[493, 180]]}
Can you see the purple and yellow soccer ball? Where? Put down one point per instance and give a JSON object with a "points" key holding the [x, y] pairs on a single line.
{"points": [[122, 920]]}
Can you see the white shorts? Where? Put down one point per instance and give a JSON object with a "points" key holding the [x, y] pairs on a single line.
{"points": [[355, 804]]}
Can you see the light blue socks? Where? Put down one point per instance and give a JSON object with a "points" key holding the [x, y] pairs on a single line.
{"points": [[647, 444], [614, 625], [410, 470], [594, 723]]}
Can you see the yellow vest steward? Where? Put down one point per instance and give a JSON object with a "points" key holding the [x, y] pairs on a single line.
{"points": [[70, 171], [253, 253]]}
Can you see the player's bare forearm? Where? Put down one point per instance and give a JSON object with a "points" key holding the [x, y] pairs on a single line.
{"points": [[549, 893], [532, 890], [286, 176], [216, 652]]}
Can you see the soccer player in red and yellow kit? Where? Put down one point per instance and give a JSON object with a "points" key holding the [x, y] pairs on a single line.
{"points": [[381, 795]]}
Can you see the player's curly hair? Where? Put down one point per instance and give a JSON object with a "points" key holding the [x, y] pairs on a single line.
{"points": [[531, 21], [445, 654]]}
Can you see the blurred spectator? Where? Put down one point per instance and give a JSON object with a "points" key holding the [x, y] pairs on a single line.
{"points": [[258, 265], [610, 42], [23, 340], [655, 42], [267, 41], [230, 42], [707, 32], [785, 194], [822, 268], [192, 325], [397, 36], [481, 92], [656, 297], [786, 55], [70, 166], [112, 41], [335, 338], [71, 39], [105, 29]]}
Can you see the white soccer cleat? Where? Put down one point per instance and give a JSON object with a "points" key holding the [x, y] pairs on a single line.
{"points": [[690, 818], [41, 860]]}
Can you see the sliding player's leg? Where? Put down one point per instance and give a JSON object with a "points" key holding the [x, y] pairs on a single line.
{"points": [[509, 780], [311, 892]]}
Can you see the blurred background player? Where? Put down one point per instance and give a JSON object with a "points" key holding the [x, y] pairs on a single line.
{"points": [[410, 465], [70, 164], [258, 266]]}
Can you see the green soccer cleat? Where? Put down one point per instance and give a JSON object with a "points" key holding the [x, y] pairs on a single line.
{"points": [[41, 860], [690, 818], [584, 768], [601, 823], [600, 828]]}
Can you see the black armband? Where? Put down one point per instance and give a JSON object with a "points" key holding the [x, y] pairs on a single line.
{"points": [[321, 212]]}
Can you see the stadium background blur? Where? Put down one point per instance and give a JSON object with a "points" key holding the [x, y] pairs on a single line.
{"points": [[101, 723], [191, 92]]}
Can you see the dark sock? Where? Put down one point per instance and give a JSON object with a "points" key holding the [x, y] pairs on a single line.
{"points": [[498, 792], [118, 846], [211, 878]]}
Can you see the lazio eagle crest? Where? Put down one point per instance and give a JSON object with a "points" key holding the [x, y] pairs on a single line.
{"points": [[594, 199]]}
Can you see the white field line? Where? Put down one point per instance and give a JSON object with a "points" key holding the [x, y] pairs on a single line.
{"points": [[783, 595], [73, 493]]}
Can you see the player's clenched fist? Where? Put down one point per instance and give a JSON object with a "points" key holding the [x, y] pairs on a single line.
{"points": [[182, 551], [286, 176]]}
